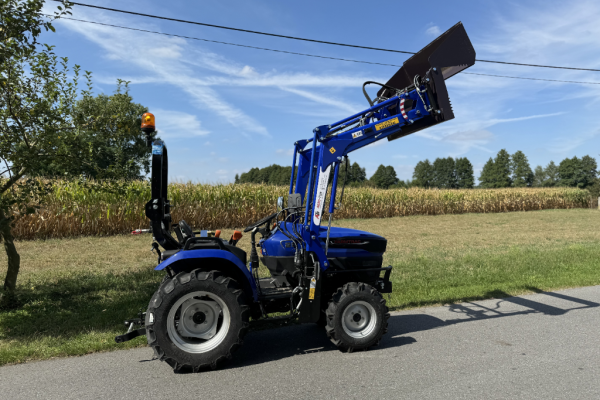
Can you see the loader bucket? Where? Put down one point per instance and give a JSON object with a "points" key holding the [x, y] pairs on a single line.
{"points": [[449, 54]]}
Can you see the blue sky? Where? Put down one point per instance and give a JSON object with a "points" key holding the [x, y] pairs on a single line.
{"points": [[223, 109]]}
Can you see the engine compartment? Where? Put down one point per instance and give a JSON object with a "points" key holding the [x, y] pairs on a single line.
{"points": [[348, 249]]}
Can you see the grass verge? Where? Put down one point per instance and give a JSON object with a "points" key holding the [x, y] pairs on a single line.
{"points": [[73, 294]]}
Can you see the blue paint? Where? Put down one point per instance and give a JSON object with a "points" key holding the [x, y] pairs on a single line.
{"points": [[209, 253]]}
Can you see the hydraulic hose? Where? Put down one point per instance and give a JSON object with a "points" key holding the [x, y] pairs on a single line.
{"points": [[371, 103]]}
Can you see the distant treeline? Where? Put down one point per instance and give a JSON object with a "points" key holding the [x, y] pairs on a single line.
{"points": [[505, 170]]}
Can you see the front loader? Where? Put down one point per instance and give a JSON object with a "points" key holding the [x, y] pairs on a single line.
{"points": [[212, 292]]}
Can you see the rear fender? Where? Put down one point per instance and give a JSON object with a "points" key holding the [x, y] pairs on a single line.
{"points": [[220, 260]]}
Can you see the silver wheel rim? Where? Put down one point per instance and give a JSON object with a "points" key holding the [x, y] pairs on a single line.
{"points": [[359, 319], [198, 322]]}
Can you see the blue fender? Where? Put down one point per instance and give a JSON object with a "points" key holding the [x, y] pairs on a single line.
{"points": [[199, 254]]}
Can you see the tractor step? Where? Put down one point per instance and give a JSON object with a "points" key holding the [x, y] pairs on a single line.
{"points": [[275, 293], [268, 290]]}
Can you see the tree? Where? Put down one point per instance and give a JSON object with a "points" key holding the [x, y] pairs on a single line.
{"points": [[578, 172], [384, 177], [589, 169], [39, 125], [423, 174], [356, 174], [272, 175], [552, 177], [487, 178], [465, 178], [570, 172], [502, 170], [539, 176], [522, 175], [444, 173], [96, 118]]}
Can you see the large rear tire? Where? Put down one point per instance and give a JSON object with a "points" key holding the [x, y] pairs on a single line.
{"points": [[357, 317], [197, 320]]}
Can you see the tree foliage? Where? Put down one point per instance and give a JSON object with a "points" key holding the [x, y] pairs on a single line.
{"points": [[110, 128], [486, 179], [356, 174], [444, 173], [496, 173], [384, 177], [423, 174], [521, 174], [273, 175], [43, 121], [278, 175], [546, 177], [578, 172], [464, 173]]}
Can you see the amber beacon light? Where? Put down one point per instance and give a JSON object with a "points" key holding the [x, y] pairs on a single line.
{"points": [[148, 125]]}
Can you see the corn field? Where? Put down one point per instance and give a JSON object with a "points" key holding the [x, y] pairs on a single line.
{"points": [[72, 209]]}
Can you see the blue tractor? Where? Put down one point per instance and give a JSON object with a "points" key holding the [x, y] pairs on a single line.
{"points": [[212, 293]]}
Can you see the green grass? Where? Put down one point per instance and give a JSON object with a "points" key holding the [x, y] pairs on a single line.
{"points": [[73, 294]]}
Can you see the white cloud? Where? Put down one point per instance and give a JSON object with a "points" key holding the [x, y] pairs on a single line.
{"points": [[175, 62], [567, 144], [434, 31], [167, 65], [177, 124], [343, 105]]}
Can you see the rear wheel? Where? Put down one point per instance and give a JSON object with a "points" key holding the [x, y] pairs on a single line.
{"points": [[356, 317], [197, 320]]}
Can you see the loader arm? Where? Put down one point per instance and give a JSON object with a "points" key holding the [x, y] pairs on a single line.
{"points": [[415, 98]]}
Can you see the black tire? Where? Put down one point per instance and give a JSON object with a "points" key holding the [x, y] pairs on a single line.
{"points": [[172, 291], [356, 296]]}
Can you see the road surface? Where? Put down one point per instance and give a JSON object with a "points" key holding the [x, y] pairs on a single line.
{"points": [[541, 346]]}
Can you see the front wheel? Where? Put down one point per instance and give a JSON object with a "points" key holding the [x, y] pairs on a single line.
{"points": [[356, 317], [197, 320]]}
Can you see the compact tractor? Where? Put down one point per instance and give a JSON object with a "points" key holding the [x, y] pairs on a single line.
{"points": [[212, 293]]}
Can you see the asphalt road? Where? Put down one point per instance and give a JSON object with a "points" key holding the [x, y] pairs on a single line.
{"points": [[541, 346]]}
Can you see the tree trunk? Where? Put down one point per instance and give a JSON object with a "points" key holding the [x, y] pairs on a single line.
{"points": [[14, 259]]}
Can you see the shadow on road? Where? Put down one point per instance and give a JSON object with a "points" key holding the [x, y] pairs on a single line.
{"points": [[297, 340]]}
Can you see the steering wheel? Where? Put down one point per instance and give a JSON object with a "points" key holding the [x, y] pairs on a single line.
{"points": [[261, 222]]}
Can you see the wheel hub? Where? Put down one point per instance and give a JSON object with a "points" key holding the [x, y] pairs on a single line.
{"points": [[198, 322], [359, 319], [199, 318]]}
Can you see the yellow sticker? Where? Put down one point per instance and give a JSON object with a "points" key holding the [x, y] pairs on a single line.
{"points": [[313, 285], [387, 124], [332, 150]]}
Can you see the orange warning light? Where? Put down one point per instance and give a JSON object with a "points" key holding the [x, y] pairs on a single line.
{"points": [[148, 122]]}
